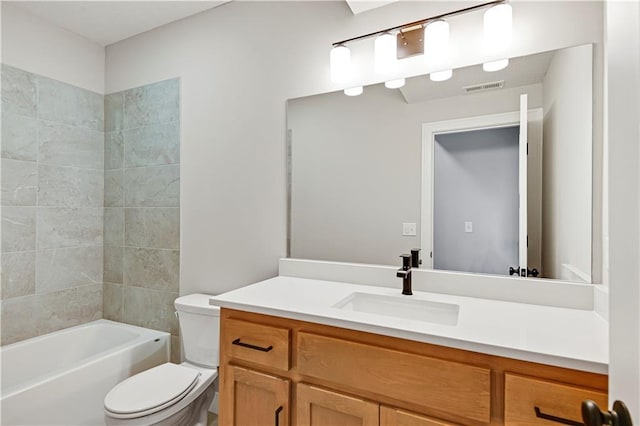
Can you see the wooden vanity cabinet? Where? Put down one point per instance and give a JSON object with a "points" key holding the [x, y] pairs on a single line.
{"points": [[276, 371]]}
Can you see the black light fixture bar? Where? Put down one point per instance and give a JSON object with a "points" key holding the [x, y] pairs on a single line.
{"points": [[421, 22]]}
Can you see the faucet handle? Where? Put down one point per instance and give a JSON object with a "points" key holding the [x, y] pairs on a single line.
{"points": [[415, 258], [406, 261]]}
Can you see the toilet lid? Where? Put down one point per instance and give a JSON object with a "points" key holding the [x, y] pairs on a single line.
{"points": [[151, 391]]}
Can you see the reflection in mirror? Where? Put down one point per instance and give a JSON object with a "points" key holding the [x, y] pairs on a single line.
{"points": [[444, 166]]}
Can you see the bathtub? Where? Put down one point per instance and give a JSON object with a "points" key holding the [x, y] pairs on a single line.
{"points": [[62, 378]]}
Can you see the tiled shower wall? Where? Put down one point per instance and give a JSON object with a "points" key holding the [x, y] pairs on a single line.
{"points": [[142, 207], [90, 220], [52, 205]]}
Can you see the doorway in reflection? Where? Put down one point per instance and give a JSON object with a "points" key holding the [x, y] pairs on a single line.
{"points": [[476, 200]]}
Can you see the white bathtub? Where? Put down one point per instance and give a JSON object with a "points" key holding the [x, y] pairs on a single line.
{"points": [[62, 378]]}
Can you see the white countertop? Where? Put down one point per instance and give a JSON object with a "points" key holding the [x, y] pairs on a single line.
{"points": [[563, 337]]}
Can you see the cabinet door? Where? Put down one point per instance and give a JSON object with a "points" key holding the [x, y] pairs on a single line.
{"points": [[252, 398], [390, 416], [320, 407]]}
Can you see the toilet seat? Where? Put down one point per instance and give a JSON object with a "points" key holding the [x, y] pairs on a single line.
{"points": [[150, 391]]}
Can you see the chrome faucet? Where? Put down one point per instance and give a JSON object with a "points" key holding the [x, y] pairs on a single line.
{"points": [[405, 274]]}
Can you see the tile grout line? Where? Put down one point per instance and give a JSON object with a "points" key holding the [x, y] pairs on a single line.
{"points": [[62, 123], [148, 248], [63, 166], [124, 224], [144, 126], [36, 230]]}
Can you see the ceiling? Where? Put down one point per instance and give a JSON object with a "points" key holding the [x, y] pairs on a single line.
{"points": [[107, 22]]}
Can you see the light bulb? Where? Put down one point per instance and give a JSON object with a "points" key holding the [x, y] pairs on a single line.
{"points": [[385, 54], [394, 84], [353, 91], [498, 23], [495, 65], [340, 62], [441, 75], [436, 43]]}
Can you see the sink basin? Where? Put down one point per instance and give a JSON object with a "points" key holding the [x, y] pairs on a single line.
{"points": [[405, 307]]}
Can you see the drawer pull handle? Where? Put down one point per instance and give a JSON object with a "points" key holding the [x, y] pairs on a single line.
{"points": [[250, 346], [564, 421], [278, 415]]}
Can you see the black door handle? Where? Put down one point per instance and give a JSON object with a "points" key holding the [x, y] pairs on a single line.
{"points": [[250, 346], [593, 416]]}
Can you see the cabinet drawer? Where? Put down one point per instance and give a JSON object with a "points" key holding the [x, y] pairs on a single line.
{"points": [[256, 343], [443, 386], [523, 394]]}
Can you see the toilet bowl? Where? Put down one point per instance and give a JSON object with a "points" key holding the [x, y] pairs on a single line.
{"points": [[174, 394]]}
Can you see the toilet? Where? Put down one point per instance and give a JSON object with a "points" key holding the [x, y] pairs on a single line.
{"points": [[172, 394]]}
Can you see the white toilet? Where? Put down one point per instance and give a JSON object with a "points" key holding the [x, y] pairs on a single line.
{"points": [[172, 394]]}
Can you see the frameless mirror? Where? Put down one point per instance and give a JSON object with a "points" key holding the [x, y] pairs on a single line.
{"points": [[479, 177]]}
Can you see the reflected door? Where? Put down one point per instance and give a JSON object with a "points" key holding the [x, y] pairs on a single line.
{"points": [[476, 208], [523, 152]]}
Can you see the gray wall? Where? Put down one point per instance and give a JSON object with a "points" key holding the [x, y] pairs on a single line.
{"points": [[52, 205], [142, 207], [476, 180]]}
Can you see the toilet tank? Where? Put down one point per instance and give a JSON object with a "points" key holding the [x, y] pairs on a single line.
{"points": [[199, 329]]}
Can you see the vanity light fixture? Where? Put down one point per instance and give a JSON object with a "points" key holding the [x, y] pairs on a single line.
{"points": [[495, 65], [436, 48], [394, 84], [340, 62], [386, 55], [408, 39], [441, 75], [498, 28], [354, 91]]}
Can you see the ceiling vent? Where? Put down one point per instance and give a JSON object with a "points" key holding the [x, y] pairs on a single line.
{"points": [[484, 86]]}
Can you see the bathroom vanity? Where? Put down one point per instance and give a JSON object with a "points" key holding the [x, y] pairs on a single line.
{"points": [[298, 351]]}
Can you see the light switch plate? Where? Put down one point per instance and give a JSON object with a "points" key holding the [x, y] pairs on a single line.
{"points": [[468, 227], [409, 229]]}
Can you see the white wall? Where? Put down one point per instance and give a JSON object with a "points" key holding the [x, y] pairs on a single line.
{"points": [[239, 63], [623, 139], [34, 45], [567, 165]]}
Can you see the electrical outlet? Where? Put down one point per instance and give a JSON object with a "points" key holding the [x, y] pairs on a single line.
{"points": [[409, 229]]}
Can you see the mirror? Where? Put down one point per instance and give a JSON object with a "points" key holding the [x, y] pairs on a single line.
{"points": [[441, 166]]}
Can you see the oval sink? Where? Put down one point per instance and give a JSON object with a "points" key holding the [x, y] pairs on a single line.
{"points": [[404, 307]]}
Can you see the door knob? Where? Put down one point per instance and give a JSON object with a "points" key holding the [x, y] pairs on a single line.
{"points": [[593, 416]]}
